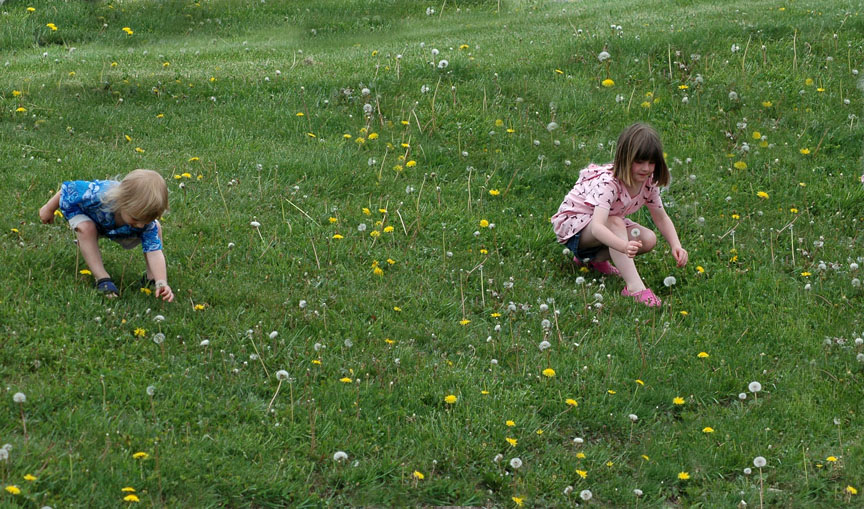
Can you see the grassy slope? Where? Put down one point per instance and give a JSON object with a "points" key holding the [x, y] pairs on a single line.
{"points": [[215, 441]]}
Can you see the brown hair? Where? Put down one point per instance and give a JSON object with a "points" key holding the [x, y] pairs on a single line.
{"points": [[640, 142], [141, 194]]}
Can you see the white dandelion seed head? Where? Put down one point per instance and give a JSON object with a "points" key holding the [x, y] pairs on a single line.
{"points": [[340, 456], [254, 224], [856, 282], [635, 233], [4, 454], [619, 98], [544, 345], [442, 64], [536, 143], [515, 463], [853, 266], [151, 390], [348, 343], [754, 387], [669, 281], [317, 346], [365, 91], [580, 280], [637, 492], [859, 341], [748, 471], [361, 227], [685, 99], [733, 96], [435, 52], [302, 304], [282, 375], [759, 462], [568, 490], [231, 245], [546, 324], [367, 109], [807, 287], [742, 395], [204, 342], [551, 126], [603, 56], [578, 441], [633, 417], [585, 495], [494, 362], [158, 318], [19, 397], [158, 338], [498, 457], [860, 357], [544, 308]]}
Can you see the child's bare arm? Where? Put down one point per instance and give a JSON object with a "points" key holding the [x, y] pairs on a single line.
{"points": [[156, 262], [601, 232], [667, 229], [46, 213]]}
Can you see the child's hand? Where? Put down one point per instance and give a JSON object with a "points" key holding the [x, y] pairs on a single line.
{"points": [[46, 215], [633, 247], [680, 255], [165, 292]]}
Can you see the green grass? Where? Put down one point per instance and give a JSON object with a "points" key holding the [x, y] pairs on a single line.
{"points": [[200, 80]]}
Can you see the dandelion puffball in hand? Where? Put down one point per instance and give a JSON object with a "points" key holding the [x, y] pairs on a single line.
{"points": [[635, 233]]}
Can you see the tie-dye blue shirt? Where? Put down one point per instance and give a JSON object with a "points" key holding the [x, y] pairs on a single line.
{"points": [[83, 197]]}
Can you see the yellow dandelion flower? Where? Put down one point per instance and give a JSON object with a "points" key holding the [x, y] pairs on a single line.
{"points": [[851, 490], [757, 135], [311, 135], [410, 164], [762, 194], [678, 400], [378, 271], [484, 223], [645, 104], [510, 130], [608, 83], [390, 261], [128, 489], [450, 399], [338, 237], [805, 274], [571, 402], [808, 82], [509, 423], [140, 455], [29, 477], [831, 459], [382, 211], [464, 321], [512, 441], [85, 272], [463, 46], [767, 104], [683, 476], [52, 26], [549, 373], [139, 150], [388, 229], [518, 500], [31, 9], [494, 192], [707, 429], [703, 355], [640, 382], [146, 291], [736, 216], [418, 475], [128, 30], [14, 490], [700, 269], [198, 307], [21, 109], [804, 151], [495, 315], [582, 473], [139, 332], [580, 455], [740, 165], [345, 380]]}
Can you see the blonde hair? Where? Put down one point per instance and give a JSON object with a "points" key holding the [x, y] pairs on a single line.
{"points": [[640, 142], [141, 194]]}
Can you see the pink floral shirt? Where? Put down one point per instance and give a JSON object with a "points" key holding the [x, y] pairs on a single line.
{"points": [[597, 187]]}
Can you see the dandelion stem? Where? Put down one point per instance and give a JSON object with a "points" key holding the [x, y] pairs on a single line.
{"points": [[224, 203], [470, 169], [744, 56], [303, 212], [315, 251], [795, 51], [761, 502], [261, 359], [274, 396], [23, 422]]}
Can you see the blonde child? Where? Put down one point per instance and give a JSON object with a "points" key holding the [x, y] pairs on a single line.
{"points": [[126, 213], [592, 219]]}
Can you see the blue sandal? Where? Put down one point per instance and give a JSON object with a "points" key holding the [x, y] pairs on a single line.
{"points": [[106, 287]]}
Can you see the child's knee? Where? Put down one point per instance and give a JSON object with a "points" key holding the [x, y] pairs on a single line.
{"points": [[86, 230], [649, 240]]}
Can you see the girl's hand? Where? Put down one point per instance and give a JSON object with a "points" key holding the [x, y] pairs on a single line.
{"points": [[165, 292], [633, 247], [46, 215], [680, 255]]}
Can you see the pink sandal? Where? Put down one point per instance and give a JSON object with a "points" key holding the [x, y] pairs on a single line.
{"points": [[646, 297], [604, 267]]}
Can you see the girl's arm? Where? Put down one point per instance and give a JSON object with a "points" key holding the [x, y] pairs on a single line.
{"points": [[601, 232], [156, 263], [664, 224], [46, 213]]}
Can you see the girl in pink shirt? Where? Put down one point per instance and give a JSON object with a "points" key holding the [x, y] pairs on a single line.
{"points": [[591, 221]]}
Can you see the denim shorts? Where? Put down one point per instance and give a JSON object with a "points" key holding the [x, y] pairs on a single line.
{"points": [[582, 254]]}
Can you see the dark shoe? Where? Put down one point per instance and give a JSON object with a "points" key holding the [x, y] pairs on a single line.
{"points": [[106, 287]]}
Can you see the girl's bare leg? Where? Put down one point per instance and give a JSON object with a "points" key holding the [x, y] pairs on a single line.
{"points": [[88, 243]]}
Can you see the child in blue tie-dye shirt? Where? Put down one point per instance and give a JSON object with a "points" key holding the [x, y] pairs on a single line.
{"points": [[125, 212]]}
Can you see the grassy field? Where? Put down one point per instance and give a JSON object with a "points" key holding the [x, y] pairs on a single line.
{"points": [[404, 272]]}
